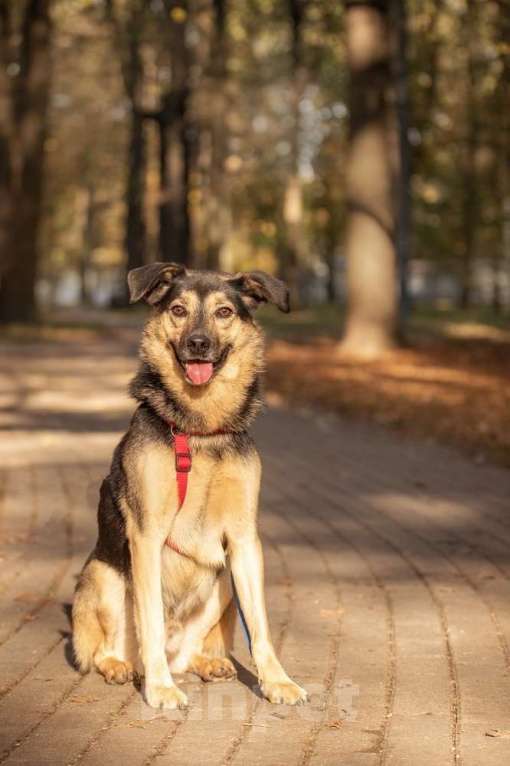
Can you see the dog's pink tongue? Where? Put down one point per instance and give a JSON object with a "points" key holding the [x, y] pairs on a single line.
{"points": [[199, 372]]}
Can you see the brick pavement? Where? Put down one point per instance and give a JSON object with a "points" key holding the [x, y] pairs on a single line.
{"points": [[387, 583]]}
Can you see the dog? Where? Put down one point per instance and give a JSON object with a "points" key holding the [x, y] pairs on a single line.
{"points": [[177, 516]]}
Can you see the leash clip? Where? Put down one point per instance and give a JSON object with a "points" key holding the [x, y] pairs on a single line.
{"points": [[182, 451], [183, 462]]}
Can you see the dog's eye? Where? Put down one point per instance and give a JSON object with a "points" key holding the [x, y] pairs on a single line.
{"points": [[178, 310], [224, 312]]}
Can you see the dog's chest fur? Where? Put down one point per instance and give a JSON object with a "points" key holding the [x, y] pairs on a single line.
{"points": [[197, 530]]}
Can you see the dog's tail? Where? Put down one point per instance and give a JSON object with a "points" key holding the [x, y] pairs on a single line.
{"points": [[88, 634]]}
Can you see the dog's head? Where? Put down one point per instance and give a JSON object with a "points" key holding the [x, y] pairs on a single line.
{"points": [[205, 319]]}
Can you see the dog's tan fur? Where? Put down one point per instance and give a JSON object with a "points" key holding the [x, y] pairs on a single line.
{"points": [[168, 610]]}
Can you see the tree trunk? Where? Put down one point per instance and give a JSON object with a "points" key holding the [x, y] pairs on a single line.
{"points": [[218, 219], [88, 243], [17, 288], [174, 154], [135, 239], [470, 201], [293, 252], [175, 132], [503, 158], [6, 130], [504, 259], [128, 37], [135, 235], [371, 325], [330, 241], [403, 169], [331, 280]]}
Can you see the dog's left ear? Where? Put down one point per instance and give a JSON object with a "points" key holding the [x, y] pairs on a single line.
{"points": [[257, 287], [152, 282]]}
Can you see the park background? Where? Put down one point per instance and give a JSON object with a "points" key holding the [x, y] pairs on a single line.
{"points": [[359, 150]]}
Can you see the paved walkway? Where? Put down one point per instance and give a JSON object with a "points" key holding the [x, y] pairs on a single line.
{"points": [[387, 579]]}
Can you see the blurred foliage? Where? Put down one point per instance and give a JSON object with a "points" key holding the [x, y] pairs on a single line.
{"points": [[459, 54]]}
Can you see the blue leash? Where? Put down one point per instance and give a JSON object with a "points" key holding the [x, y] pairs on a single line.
{"points": [[241, 614]]}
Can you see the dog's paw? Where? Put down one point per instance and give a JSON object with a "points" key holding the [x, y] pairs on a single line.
{"points": [[165, 697], [283, 693], [115, 671], [215, 669]]}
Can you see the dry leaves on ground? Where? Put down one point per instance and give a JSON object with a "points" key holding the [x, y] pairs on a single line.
{"points": [[454, 391]]}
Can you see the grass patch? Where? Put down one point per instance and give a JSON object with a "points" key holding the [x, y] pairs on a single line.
{"points": [[327, 322]]}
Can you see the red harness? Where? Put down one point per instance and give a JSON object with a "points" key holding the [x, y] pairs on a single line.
{"points": [[183, 463]]}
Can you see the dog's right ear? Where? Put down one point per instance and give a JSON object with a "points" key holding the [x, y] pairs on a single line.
{"points": [[152, 282]]}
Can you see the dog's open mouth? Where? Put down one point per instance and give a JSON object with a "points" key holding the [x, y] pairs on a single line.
{"points": [[198, 372]]}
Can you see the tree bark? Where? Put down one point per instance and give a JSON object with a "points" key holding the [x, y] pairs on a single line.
{"points": [[331, 283], [176, 137], [88, 243], [25, 144], [6, 129], [135, 237], [218, 219], [469, 210], [403, 203], [128, 37], [371, 325], [293, 251], [174, 154], [502, 267]]}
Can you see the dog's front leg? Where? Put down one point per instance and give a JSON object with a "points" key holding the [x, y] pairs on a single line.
{"points": [[248, 572], [160, 689]]}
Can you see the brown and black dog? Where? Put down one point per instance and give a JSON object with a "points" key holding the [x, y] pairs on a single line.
{"points": [[143, 605]]}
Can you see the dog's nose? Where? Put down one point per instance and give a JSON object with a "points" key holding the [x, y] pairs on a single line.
{"points": [[198, 344]]}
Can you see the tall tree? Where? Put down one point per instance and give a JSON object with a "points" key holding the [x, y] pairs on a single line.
{"points": [[215, 134], [26, 51], [6, 130], [371, 325], [292, 253], [501, 259], [470, 205], [128, 29], [402, 169], [175, 133]]}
